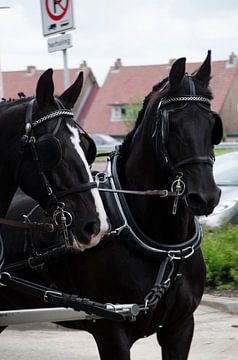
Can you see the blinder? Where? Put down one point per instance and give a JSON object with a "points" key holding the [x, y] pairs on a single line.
{"points": [[160, 136], [164, 126], [91, 150], [49, 151], [217, 131]]}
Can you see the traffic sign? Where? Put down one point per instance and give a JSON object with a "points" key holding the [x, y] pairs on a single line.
{"points": [[57, 16], [61, 42]]}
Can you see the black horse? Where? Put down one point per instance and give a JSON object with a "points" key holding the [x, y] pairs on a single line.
{"points": [[43, 151], [151, 256]]}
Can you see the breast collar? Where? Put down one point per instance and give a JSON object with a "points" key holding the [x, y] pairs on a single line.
{"points": [[124, 224]]}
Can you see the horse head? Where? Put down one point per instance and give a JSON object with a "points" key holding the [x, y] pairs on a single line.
{"points": [[49, 159], [192, 129], [176, 130]]}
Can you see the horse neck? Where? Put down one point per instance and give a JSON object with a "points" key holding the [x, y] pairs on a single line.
{"points": [[153, 214]]}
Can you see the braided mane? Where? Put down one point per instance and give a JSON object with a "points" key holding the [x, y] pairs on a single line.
{"points": [[12, 102]]}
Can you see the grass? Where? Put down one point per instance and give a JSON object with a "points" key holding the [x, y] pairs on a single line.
{"points": [[220, 250], [222, 151]]}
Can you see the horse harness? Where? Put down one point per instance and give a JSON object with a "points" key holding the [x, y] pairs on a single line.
{"points": [[123, 223]]}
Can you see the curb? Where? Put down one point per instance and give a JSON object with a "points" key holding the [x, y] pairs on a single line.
{"points": [[226, 304]]}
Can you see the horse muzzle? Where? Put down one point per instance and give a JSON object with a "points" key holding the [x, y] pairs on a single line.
{"points": [[202, 203], [89, 236]]}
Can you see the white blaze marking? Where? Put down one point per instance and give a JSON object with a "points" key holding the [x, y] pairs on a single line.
{"points": [[95, 193]]}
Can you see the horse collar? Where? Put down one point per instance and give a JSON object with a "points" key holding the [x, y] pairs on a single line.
{"points": [[123, 223]]}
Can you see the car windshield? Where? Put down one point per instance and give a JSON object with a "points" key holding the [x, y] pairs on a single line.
{"points": [[226, 169], [103, 139]]}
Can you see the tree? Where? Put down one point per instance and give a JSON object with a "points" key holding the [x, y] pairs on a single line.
{"points": [[131, 113]]}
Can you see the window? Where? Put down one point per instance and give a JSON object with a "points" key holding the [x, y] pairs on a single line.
{"points": [[118, 112]]}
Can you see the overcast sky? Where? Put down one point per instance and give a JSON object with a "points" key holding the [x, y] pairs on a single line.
{"points": [[140, 32]]}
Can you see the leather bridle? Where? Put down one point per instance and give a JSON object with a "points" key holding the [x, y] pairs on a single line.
{"points": [[161, 133], [54, 205]]}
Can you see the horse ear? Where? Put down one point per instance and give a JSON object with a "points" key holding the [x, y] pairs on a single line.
{"points": [[70, 95], [204, 72], [45, 89], [177, 71]]}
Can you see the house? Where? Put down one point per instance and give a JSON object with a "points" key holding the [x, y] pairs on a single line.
{"points": [[127, 84], [25, 81]]}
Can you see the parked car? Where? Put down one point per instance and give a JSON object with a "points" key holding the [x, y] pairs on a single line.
{"points": [[226, 177], [104, 142]]}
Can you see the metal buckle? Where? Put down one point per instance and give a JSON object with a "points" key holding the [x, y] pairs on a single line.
{"points": [[100, 178], [52, 293], [4, 273], [178, 254], [191, 248], [35, 267], [165, 193]]}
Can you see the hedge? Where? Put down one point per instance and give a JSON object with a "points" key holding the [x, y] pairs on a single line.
{"points": [[220, 251]]}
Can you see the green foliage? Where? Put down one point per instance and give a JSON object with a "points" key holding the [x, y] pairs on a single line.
{"points": [[132, 110], [220, 250]]}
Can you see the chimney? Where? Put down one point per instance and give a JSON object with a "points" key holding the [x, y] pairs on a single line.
{"points": [[83, 65], [171, 61], [232, 60], [30, 70], [117, 64]]}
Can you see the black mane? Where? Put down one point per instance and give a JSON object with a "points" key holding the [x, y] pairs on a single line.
{"points": [[156, 93], [12, 102]]}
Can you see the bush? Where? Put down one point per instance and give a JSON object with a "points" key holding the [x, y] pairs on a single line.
{"points": [[220, 251]]}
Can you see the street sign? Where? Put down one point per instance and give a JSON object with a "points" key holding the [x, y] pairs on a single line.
{"points": [[57, 16], [61, 42]]}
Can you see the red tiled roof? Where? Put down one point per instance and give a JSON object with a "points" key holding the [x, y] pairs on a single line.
{"points": [[135, 82], [26, 81], [87, 105], [15, 81]]}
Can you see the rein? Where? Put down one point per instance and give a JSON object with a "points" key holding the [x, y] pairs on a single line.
{"points": [[177, 189], [101, 178], [48, 227]]}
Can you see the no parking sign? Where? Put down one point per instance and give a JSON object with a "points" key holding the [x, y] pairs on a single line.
{"points": [[57, 16]]}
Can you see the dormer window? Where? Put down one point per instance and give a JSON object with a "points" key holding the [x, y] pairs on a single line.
{"points": [[118, 112]]}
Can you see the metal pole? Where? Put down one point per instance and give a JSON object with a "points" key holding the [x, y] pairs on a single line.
{"points": [[1, 82], [1, 77], [66, 70]]}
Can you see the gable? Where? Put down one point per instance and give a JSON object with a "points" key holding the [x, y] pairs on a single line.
{"points": [[25, 81], [126, 84]]}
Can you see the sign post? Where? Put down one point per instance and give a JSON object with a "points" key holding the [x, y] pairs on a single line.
{"points": [[57, 17]]}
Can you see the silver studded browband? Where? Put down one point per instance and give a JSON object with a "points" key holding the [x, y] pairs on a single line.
{"points": [[52, 115], [186, 99]]}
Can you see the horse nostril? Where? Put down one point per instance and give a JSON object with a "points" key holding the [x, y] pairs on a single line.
{"points": [[196, 200], [91, 228]]}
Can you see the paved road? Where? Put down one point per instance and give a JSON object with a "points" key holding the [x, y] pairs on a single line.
{"points": [[216, 338]]}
